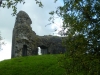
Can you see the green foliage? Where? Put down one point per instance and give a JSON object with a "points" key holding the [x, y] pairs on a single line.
{"points": [[80, 65], [13, 4], [39, 3], [32, 65], [81, 18]]}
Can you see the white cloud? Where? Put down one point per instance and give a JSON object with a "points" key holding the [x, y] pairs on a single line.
{"points": [[39, 17], [6, 52]]}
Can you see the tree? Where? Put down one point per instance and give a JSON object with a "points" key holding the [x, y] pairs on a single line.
{"points": [[81, 18], [13, 3]]}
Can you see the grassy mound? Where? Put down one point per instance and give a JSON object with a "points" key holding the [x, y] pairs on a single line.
{"points": [[32, 65]]}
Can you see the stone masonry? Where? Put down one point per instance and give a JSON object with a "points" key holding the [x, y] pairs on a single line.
{"points": [[25, 41]]}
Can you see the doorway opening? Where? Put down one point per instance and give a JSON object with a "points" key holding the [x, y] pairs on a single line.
{"points": [[39, 51], [24, 50]]}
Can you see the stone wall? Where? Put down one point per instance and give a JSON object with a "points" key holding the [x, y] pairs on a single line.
{"points": [[26, 42]]}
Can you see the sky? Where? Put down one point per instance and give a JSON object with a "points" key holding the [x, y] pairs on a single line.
{"points": [[39, 17]]}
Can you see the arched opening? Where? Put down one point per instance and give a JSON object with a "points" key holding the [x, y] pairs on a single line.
{"points": [[24, 50]]}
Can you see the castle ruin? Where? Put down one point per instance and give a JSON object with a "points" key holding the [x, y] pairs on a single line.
{"points": [[25, 42]]}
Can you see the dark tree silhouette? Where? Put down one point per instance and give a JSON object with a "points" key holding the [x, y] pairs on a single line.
{"points": [[0, 2]]}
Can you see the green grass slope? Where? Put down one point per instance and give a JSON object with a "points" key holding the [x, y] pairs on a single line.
{"points": [[32, 65]]}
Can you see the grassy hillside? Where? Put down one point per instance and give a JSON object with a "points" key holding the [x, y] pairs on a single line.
{"points": [[32, 65]]}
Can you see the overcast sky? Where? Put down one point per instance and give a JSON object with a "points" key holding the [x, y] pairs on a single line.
{"points": [[39, 17]]}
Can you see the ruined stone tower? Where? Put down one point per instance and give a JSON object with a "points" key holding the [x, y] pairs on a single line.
{"points": [[22, 36], [26, 42]]}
